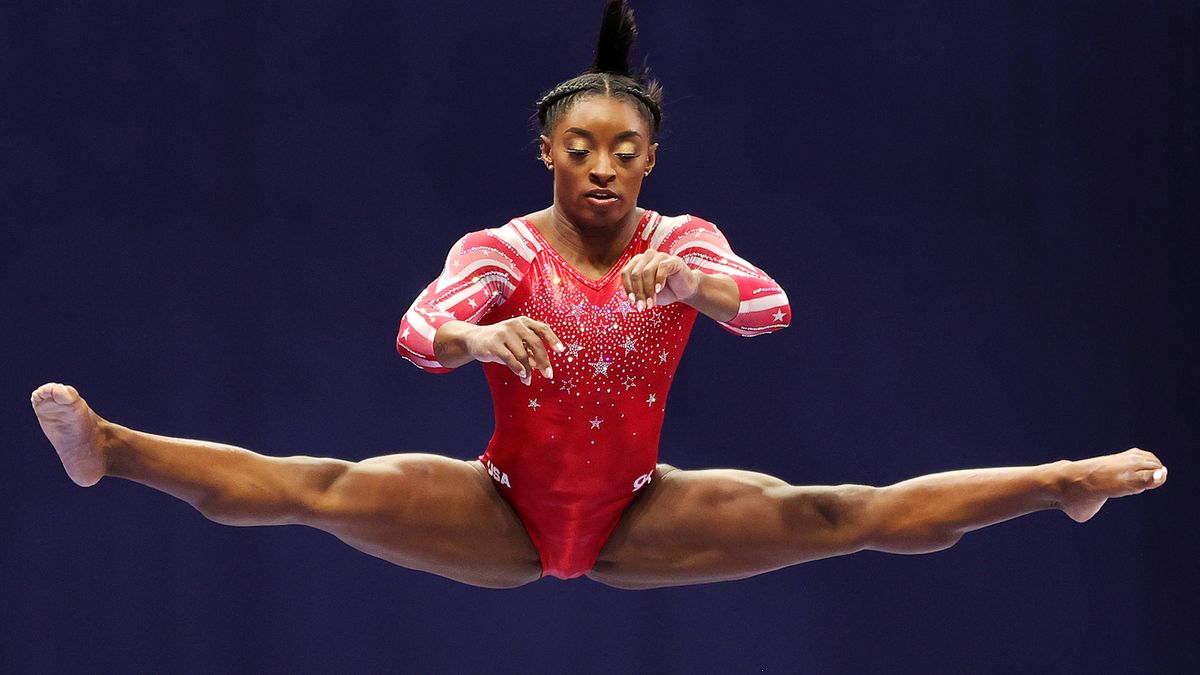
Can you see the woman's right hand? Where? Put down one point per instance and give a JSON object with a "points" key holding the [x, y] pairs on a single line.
{"points": [[520, 343]]}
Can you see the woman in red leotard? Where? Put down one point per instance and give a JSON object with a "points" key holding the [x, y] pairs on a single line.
{"points": [[580, 313]]}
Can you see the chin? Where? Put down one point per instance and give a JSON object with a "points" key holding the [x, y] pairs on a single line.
{"points": [[603, 217]]}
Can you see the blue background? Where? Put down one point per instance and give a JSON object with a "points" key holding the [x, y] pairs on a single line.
{"points": [[985, 215]]}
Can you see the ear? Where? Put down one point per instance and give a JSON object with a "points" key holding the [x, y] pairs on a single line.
{"points": [[546, 152], [651, 157]]}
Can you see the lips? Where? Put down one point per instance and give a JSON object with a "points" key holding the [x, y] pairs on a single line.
{"points": [[601, 196]]}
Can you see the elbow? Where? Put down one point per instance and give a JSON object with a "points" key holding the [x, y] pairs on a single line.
{"points": [[753, 324]]}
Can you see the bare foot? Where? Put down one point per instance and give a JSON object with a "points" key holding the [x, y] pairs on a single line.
{"points": [[73, 430], [1091, 482]]}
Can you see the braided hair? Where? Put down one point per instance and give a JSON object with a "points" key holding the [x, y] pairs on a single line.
{"points": [[609, 75]]}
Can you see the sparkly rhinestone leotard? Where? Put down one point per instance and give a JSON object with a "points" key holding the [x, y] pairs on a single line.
{"points": [[570, 454]]}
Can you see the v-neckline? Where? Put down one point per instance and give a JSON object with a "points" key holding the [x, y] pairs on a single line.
{"points": [[594, 284]]}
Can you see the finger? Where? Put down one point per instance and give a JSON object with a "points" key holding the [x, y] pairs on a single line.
{"points": [[516, 347], [649, 279], [627, 274], [504, 355], [665, 270], [637, 294], [546, 333], [536, 347]]}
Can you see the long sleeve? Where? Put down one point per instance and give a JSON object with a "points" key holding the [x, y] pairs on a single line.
{"points": [[481, 272], [764, 306]]}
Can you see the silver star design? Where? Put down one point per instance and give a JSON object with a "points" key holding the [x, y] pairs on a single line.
{"points": [[534, 404], [472, 303], [601, 367], [625, 307], [778, 315], [630, 345], [629, 382], [567, 385], [576, 310], [596, 422], [662, 358], [573, 350], [651, 400], [655, 318], [404, 333]]}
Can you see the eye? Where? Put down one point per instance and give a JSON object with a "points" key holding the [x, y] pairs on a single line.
{"points": [[628, 155], [578, 152]]}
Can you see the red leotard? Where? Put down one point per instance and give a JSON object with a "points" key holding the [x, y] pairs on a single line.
{"points": [[569, 454]]}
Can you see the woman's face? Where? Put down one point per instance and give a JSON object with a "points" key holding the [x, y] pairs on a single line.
{"points": [[599, 152]]}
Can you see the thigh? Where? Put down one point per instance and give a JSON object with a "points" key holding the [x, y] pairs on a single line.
{"points": [[429, 513], [694, 527]]}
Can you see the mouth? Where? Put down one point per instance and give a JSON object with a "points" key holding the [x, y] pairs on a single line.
{"points": [[601, 197]]}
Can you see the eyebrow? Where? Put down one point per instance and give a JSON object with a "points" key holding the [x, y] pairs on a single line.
{"points": [[587, 134]]}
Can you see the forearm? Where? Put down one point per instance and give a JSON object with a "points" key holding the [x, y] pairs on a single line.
{"points": [[950, 504], [450, 344], [717, 296]]}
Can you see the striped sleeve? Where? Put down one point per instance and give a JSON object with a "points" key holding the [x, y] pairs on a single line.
{"points": [[764, 306], [481, 272]]}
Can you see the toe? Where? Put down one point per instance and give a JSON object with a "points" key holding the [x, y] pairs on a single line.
{"points": [[64, 394], [41, 393], [1152, 477]]}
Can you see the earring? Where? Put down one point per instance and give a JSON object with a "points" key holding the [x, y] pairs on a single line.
{"points": [[647, 172]]}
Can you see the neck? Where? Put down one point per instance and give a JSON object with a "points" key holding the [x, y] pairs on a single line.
{"points": [[596, 246]]}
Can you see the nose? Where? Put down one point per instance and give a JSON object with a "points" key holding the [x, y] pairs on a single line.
{"points": [[603, 171]]}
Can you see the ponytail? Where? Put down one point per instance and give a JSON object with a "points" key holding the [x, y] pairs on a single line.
{"points": [[610, 74]]}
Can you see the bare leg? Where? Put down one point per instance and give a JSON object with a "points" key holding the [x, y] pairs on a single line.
{"points": [[423, 512], [705, 526]]}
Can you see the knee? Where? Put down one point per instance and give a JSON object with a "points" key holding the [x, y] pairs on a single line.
{"points": [[292, 491], [899, 526], [347, 489]]}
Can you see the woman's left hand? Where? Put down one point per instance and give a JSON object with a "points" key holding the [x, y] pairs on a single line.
{"points": [[657, 278]]}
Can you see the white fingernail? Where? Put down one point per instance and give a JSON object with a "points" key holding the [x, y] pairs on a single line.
{"points": [[559, 347], [631, 298], [641, 305], [549, 373], [658, 288], [1158, 474]]}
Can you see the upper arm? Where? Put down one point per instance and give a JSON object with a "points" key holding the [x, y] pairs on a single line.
{"points": [[481, 271]]}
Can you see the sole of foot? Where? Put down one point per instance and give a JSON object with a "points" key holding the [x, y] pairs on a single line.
{"points": [[73, 429]]}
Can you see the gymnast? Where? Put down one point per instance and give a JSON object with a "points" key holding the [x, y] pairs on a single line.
{"points": [[579, 313]]}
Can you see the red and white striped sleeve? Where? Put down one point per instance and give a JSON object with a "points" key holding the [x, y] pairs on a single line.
{"points": [[481, 272], [764, 306]]}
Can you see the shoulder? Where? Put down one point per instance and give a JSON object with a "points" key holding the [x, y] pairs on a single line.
{"points": [[664, 231], [513, 242]]}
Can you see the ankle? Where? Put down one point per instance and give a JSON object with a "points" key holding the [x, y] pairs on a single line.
{"points": [[110, 444], [1061, 477]]}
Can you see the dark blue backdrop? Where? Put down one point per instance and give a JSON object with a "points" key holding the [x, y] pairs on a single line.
{"points": [[985, 214]]}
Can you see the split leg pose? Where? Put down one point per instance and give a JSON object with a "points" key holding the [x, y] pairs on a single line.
{"points": [[445, 516], [695, 527], [423, 512]]}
